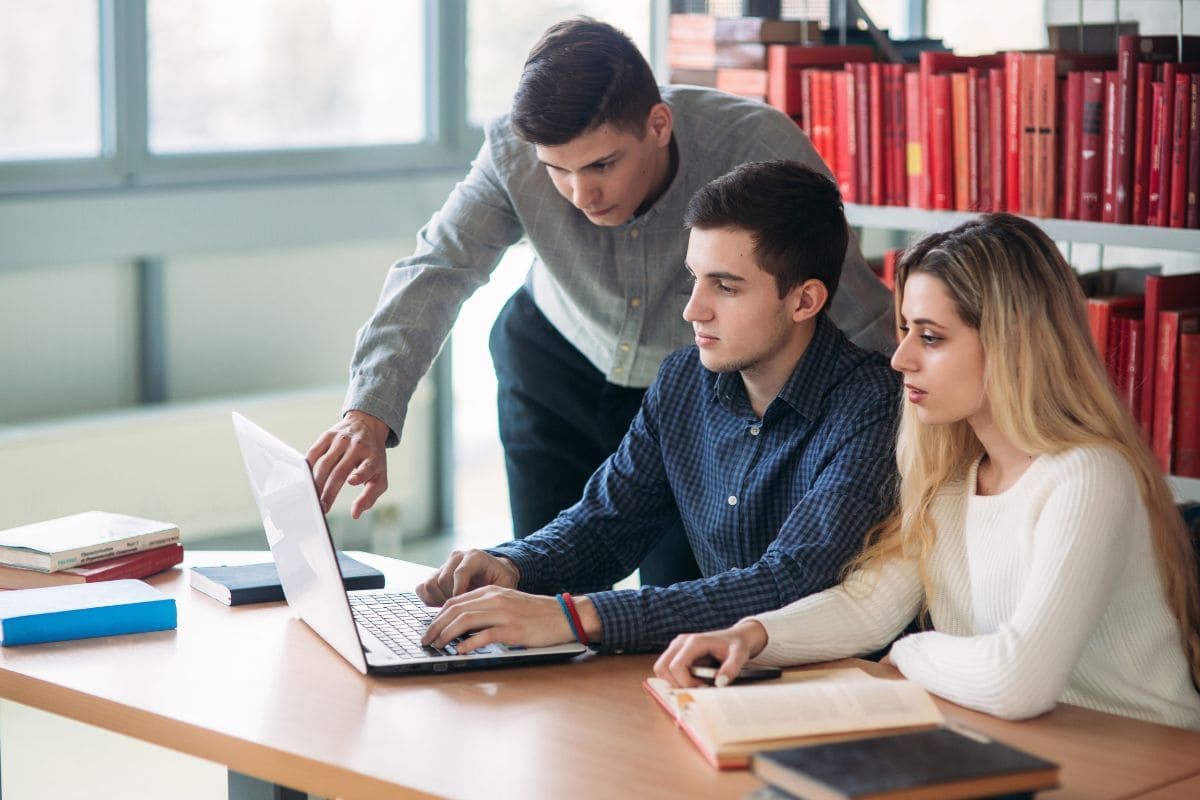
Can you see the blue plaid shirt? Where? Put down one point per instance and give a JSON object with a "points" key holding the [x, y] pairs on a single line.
{"points": [[772, 507]]}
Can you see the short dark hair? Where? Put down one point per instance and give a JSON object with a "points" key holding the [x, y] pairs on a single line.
{"points": [[580, 75], [793, 213]]}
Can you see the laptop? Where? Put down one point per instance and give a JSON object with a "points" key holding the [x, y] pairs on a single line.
{"points": [[375, 630]]}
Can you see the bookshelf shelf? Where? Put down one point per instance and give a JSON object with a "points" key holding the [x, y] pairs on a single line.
{"points": [[1185, 488], [1064, 230]]}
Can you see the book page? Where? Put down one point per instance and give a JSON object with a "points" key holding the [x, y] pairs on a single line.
{"points": [[808, 708]]}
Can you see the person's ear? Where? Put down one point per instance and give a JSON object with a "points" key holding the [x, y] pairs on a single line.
{"points": [[808, 299], [659, 124]]}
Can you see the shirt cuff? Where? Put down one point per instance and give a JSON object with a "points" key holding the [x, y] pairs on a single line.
{"points": [[621, 621], [391, 414], [532, 580]]}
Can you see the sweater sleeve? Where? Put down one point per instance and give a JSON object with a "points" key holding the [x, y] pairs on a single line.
{"points": [[868, 610], [1080, 542]]}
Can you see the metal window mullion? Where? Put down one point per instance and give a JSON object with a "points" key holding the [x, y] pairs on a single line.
{"points": [[124, 82]]}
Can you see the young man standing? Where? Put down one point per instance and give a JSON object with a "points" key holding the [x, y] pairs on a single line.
{"points": [[594, 166], [771, 442]]}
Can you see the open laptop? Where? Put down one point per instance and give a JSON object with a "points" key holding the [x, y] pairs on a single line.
{"points": [[376, 631]]}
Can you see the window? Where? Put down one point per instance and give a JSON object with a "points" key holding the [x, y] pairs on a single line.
{"points": [[49, 80], [267, 74]]}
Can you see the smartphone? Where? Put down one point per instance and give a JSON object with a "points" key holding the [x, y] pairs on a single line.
{"points": [[750, 672]]}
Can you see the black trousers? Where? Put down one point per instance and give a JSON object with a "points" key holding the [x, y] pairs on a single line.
{"points": [[559, 420]]}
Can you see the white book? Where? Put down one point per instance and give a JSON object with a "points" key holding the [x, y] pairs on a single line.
{"points": [[79, 539]]}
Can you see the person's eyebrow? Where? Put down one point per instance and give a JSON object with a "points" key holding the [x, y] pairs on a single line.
{"points": [[599, 160], [927, 322]]}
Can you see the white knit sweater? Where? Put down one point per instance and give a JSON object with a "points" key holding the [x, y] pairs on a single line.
{"points": [[1048, 592]]}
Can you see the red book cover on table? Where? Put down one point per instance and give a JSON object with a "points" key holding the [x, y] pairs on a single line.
{"points": [[1187, 421], [1179, 152], [941, 154], [1108, 193], [996, 136], [1163, 292], [1091, 140], [915, 156], [960, 113], [1072, 133], [1158, 121], [1143, 115], [785, 62], [876, 171], [132, 565], [1168, 374]]}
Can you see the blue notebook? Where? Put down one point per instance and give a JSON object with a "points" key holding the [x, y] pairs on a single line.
{"points": [[82, 611]]}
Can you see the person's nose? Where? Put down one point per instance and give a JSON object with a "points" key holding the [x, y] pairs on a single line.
{"points": [[904, 359], [696, 309]]}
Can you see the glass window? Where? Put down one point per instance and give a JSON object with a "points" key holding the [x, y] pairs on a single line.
{"points": [[268, 74], [500, 33], [49, 80]]}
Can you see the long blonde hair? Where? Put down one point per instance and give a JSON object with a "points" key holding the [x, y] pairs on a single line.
{"points": [[1047, 391]]}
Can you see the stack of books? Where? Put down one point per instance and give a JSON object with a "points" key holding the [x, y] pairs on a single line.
{"points": [[86, 548]]}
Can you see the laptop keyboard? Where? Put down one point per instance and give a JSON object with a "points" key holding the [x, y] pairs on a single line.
{"points": [[399, 620]]}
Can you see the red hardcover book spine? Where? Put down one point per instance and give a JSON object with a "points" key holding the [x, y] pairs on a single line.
{"points": [[1165, 142], [1046, 160], [1072, 131], [823, 117], [783, 85], [845, 138], [1143, 115], [876, 170], [806, 103], [1192, 212], [1091, 139], [1167, 373], [996, 137], [981, 137], [1163, 292], [1030, 180], [1158, 120], [1179, 151], [915, 157], [862, 131], [1187, 420], [941, 166], [1126, 99], [960, 113], [895, 133], [1108, 195], [1134, 331], [1013, 126]]}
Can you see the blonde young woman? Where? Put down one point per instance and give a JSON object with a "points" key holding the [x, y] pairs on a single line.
{"points": [[1033, 524]]}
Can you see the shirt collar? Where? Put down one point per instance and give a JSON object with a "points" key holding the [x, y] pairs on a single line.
{"points": [[817, 370]]}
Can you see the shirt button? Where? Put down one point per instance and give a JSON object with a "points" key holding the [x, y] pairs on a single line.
{"points": [[624, 347], [732, 500], [633, 234], [635, 302], [754, 429]]}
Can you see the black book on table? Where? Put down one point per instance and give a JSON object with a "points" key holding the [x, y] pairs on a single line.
{"points": [[259, 583], [938, 763]]}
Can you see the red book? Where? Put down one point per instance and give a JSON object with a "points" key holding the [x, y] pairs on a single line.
{"points": [[941, 165], [785, 63], [1158, 121], [1187, 415], [1120, 350], [743, 82], [1072, 133], [1166, 143], [133, 565], [1163, 292], [1192, 212], [1045, 170], [845, 136], [895, 136], [1179, 152], [915, 155], [876, 172], [1013, 126], [1133, 329], [1143, 116], [822, 137], [981, 137], [996, 137], [1091, 140], [806, 100], [1108, 194], [1101, 313], [862, 130], [960, 113], [1028, 181], [1171, 324], [890, 258], [1124, 140], [699, 54]]}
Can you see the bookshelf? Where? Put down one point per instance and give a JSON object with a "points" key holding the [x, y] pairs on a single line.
{"points": [[902, 218]]}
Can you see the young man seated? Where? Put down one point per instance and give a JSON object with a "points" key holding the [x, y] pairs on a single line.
{"points": [[771, 440]]}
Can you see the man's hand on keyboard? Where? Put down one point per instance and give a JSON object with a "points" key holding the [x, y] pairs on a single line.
{"points": [[466, 570], [497, 614]]}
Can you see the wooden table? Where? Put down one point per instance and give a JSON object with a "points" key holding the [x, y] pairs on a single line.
{"points": [[256, 690]]}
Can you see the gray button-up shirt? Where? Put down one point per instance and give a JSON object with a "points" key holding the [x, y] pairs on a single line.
{"points": [[616, 293]]}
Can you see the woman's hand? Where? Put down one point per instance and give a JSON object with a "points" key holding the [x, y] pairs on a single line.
{"points": [[731, 648]]}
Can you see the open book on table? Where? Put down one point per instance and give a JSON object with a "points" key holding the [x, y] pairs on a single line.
{"points": [[802, 707]]}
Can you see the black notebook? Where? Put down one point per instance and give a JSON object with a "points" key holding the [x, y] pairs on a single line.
{"points": [[259, 583], [938, 763]]}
